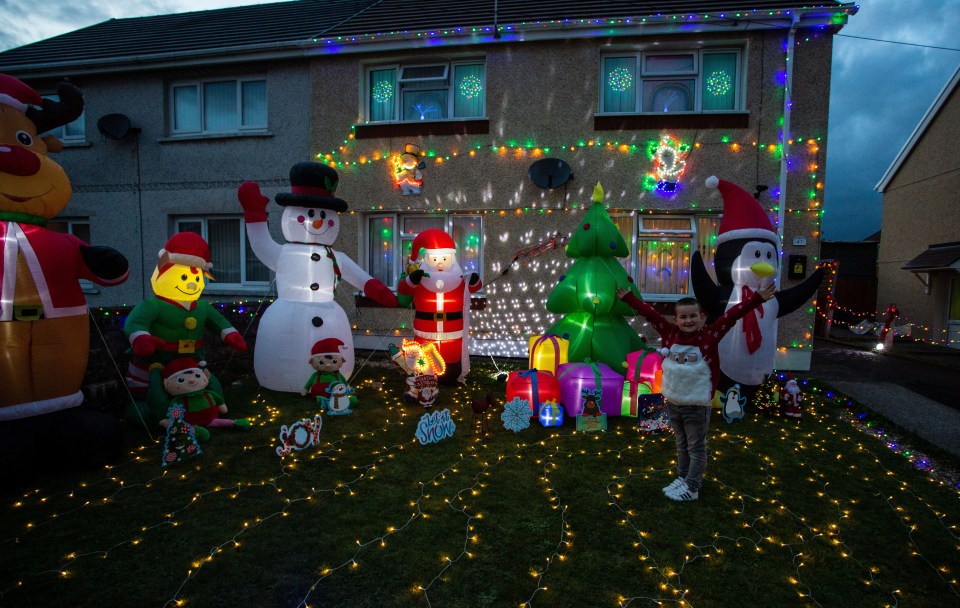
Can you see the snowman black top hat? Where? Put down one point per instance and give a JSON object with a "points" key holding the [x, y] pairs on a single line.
{"points": [[312, 185]]}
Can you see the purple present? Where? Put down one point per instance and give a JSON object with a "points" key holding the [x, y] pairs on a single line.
{"points": [[574, 377]]}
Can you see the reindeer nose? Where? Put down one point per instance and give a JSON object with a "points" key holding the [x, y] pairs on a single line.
{"points": [[18, 161]]}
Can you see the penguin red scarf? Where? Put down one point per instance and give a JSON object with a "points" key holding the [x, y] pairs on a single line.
{"points": [[751, 326]]}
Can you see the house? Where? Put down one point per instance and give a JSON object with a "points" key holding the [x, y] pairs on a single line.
{"points": [[648, 99], [856, 280], [919, 259]]}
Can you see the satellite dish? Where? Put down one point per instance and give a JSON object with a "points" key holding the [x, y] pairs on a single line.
{"points": [[550, 173], [115, 126]]}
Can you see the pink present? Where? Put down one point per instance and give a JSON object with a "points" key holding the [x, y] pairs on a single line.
{"points": [[643, 366], [574, 377], [534, 386]]}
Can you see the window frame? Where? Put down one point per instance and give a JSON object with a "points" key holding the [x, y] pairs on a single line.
{"points": [[219, 286], [198, 85], [399, 262], [399, 81], [696, 74]]}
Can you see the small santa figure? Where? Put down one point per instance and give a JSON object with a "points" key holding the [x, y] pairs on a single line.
{"points": [[791, 398], [441, 298]]}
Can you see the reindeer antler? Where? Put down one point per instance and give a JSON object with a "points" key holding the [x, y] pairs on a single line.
{"points": [[58, 113]]}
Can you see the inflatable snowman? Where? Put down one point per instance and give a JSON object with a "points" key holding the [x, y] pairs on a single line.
{"points": [[308, 271]]}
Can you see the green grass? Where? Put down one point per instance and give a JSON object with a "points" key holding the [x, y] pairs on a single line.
{"points": [[791, 514]]}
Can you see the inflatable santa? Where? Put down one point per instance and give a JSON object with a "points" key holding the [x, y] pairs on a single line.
{"points": [[441, 298]]}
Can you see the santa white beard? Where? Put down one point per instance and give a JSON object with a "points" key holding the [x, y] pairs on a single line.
{"points": [[686, 383], [441, 282]]}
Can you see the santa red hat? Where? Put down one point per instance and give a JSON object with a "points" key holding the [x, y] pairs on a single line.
{"points": [[743, 217], [181, 364], [327, 345], [188, 249], [434, 240], [17, 94]]}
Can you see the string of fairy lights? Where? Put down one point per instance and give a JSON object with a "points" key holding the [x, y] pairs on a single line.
{"points": [[757, 516]]}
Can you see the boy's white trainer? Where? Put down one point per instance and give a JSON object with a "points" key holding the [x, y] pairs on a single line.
{"points": [[673, 485], [682, 492]]}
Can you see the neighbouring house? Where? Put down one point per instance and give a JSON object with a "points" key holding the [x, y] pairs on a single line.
{"points": [[648, 99], [855, 288], [919, 261]]}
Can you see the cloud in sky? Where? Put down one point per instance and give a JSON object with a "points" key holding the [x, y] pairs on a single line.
{"points": [[879, 93], [879, 90]]}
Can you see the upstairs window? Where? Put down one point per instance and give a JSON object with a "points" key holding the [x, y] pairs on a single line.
{"points": [[218, 106], [69, 133], [437, 91], [681, 81]]}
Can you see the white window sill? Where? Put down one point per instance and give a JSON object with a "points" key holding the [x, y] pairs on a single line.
{"points": [[76, 143], [424, 121], [260, 291], [213, 136]]}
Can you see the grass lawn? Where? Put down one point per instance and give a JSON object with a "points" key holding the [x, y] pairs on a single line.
{"points": [[791, 514]]}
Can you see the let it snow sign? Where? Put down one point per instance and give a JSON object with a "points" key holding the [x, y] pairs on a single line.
{"points": [[434, 427]]}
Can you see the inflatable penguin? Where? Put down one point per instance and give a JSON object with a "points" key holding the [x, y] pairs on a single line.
{"points": [[747, 258]]}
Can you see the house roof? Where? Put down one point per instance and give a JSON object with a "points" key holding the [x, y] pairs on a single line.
{"points": [[306, 24], [918, 132], [942, 256]]}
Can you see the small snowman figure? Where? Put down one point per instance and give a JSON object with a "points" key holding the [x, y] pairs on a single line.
{"points": [[308, 270], [407, 170], [339, 401]]}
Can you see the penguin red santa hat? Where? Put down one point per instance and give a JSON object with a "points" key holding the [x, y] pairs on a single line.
{"points": [[743, 217]]}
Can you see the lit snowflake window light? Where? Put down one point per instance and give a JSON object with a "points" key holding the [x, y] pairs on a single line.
{"points": [[719, 83], [620, 79], [382, 92], [471, 86]]}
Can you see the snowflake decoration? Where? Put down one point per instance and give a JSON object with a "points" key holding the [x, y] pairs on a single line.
{"points": [[516, 415], [719, 83], [620, 79], [471, 86], [382, 92]]}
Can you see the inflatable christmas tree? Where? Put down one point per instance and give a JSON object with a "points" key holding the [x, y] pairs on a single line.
{"points": [[594, 317]]}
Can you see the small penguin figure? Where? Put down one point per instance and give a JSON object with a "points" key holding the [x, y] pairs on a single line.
{"points": [[747, 258]]}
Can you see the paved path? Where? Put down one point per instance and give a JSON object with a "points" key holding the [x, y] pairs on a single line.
{"points": [[924, 399]]}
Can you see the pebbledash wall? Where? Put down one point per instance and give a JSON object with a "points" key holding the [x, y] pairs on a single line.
{"points": [[542, 100]]}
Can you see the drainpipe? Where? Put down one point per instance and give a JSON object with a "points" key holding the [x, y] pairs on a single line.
{"points": [[787, 105]]}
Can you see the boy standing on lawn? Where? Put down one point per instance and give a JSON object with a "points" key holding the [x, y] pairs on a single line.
{"points": [[691, 371]]}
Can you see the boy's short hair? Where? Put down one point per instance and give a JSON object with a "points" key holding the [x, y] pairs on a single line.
{"points": [[688, 301]]}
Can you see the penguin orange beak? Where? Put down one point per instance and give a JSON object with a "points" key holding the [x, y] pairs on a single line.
{"points": [[763, 269]]}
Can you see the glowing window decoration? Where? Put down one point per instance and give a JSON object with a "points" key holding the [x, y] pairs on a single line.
{"points": [[471, 86], [382, 92], [719, 83], [423, 358], [620, 80]]}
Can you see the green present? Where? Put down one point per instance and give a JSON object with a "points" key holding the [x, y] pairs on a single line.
{"points": [[628, 407]]}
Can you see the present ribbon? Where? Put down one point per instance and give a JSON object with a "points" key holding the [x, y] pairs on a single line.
{"points": [[535, 390], [635, 380], [556, 348]]}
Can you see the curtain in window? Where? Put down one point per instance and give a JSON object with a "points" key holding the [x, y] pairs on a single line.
{"points": [[668, 95], [719, 81], [220, 107], [223, 235], [707, 228], [469, 90], [383, 87], [253, 96], [664, 266], [624, 224], [620, 84], [186, 108], [381, 232], [468, 235]]}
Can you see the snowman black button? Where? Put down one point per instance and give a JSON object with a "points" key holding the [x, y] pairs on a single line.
{"points": [[317, 321], [315, 286], [315, 257]]}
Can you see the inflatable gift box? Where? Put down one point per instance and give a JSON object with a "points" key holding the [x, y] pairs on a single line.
{"points": [[643, 378], [548, 353], [534, 386], [574, 377]]}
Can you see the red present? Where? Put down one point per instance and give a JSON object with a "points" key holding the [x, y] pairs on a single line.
{"points": [[534, 386]]}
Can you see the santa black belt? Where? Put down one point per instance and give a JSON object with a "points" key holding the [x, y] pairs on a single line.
{"points": [[439, 317]]}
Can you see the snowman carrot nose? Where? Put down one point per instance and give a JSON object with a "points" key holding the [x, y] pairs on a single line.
{"points": [[317, 224]]}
